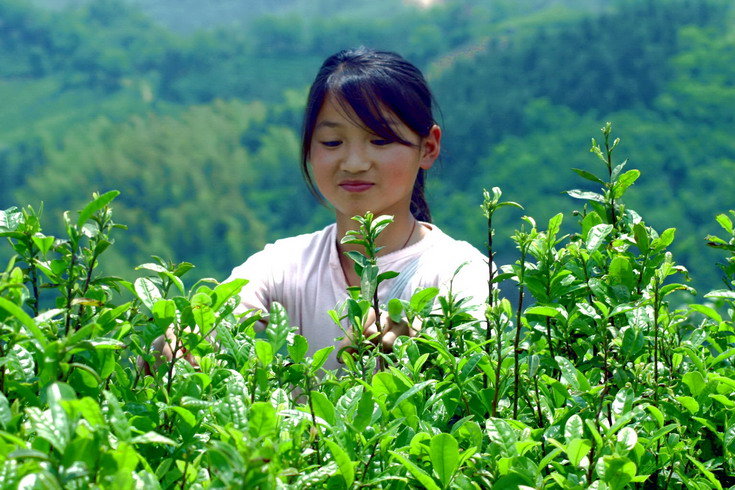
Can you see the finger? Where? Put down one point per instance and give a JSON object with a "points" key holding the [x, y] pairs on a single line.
{"points": [[392, 331], [347, 342], [371, 334]]}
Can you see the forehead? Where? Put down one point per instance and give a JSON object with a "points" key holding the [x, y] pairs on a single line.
{"points": [[337, 112]]}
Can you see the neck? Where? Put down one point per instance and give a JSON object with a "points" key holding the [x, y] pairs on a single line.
{"points": [[401, 233]]}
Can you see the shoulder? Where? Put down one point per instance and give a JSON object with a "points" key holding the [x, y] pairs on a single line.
{"points": [[304, 243], [449, 261], [288, 253], [452, 251]]}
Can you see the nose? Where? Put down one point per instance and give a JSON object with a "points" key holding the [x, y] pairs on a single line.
{"points": [[356, 160]]}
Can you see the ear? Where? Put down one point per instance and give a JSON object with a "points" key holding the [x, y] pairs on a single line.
{"points": [[430, 147]]}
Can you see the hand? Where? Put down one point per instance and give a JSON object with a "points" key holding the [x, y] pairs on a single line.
{"points": [[391, 331], [162, 349]]}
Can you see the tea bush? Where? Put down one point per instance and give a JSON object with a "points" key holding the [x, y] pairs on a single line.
{"points": [[595, 377]]}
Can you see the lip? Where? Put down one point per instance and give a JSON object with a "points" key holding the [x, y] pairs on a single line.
{"points": [[356, 185]]}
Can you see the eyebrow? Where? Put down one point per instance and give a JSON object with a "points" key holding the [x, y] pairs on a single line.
{"points": [[328, 124], [334, 124]]}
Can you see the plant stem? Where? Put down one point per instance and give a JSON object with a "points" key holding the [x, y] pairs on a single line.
{"points": [[183, 476], [69, 288], [608, 152], [170, 381], [517, 350], [490, 297], [34, 283], [538, 401], [370, 460], [496, 395], [313, 419], [85, 288], [381, 348]]}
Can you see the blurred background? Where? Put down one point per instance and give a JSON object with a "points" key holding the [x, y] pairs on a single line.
{"points": [[192, 110]]}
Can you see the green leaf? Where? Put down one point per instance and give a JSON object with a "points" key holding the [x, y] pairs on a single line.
{"points": [[368, 282], [725, 222], [633, 342], [164, 313], [261, 420], [695, 381], [664, 240], [204, 318], [422, 299], [572, 375], [725, 401], [116, 417], [185, 416], [152, 438], [424, 479], [147, 292], [721, 293], [641, 237], [344, 463], [225, 291], [5, 414], [20, 315], [500, 432], [621, 272], [264, 351], [320, 357], [707, 473], [323, 408], [577, 449], [386, 275], [729, 439], [596, 236], [587, 196], [364, 413], [589, 176], [43, 243], [444, 456], [541, 310], [574, 428], [555, 225], [297, 348], [10, 219], [595, 433], [94, 206], [590, 221], [706, 310], [625, 181], [617, 471], [628, 438], [689, 403], [395, 310]]}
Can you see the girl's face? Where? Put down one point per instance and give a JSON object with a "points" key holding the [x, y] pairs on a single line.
{"points": [[358, 171]]}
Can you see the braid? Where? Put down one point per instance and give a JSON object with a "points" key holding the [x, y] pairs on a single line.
{"points": [[419, 206]]}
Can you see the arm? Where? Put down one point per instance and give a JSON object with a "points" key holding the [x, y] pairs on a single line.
{"points": [[391, 331]]}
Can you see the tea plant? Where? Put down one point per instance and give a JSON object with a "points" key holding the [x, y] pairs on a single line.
{"points": [[597, 377]]}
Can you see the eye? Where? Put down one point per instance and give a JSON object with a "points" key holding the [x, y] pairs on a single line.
{"points": [[381, 142], [331, 144]]}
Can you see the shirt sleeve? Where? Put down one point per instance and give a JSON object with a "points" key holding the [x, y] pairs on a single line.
{"points": [[461, 267], [258, 292], [471, 281]]}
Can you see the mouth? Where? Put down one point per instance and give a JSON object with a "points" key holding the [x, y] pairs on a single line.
{"points": [[356, 185]]}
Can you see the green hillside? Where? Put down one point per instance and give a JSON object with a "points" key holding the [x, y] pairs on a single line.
{"points": [[198, 124]]}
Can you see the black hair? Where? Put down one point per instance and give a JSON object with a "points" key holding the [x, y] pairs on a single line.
{"points": [[368, 82]]}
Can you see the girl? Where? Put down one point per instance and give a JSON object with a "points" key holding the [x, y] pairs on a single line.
{"points": [[369, 136]]}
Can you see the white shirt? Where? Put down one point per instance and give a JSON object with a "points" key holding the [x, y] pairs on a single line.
{"points": [[304, 274]]}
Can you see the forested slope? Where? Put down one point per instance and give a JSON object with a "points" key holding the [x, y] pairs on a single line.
{"points": [[199, 128]]}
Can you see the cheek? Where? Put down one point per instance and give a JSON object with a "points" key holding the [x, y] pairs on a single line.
{"points": [[320, 171]]}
